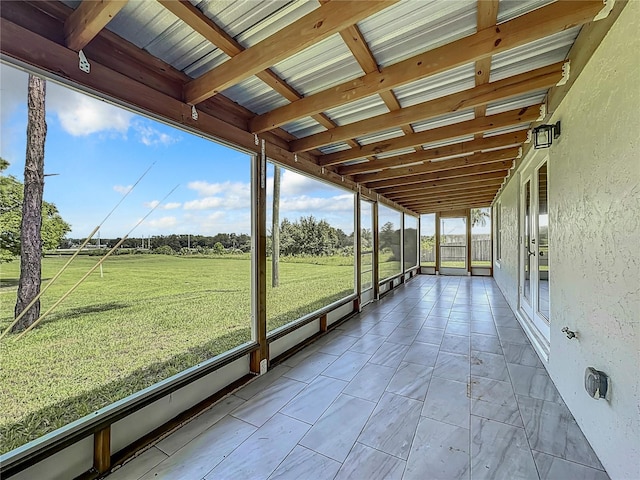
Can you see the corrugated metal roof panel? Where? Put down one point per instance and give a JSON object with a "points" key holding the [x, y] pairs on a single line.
{"points": [[510, 9], [443, 120], [526, 100], [358, 110], [255, 95], [380, 136], [500, 131], [445, 83], [395, 153], [303, 127], [449, 141], [141, 23], [319, 67], [337, 147], [539, 53], [252, 21], [411, 27], [249, 21]]}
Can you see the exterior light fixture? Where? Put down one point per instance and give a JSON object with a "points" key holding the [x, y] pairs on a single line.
{"points": [[544, 135]]}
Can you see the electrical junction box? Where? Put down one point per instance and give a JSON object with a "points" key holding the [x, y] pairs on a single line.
{"points": [[596, 383]]}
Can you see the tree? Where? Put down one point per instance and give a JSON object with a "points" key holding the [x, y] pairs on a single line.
{"points": [[479, 217], [275, 230], [31, 225]]}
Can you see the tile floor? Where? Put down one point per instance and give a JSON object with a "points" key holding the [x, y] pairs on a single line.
{"points": [[435, 381]]}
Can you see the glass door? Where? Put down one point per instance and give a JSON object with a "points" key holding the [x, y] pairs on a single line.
{"points": [[527, 242], [366, 251], [534, 251], [453, 246]]}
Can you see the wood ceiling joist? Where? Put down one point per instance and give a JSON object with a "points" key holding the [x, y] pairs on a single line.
{"points": [[88, 19], [451, 196], [451, 202], [463, 148], [466, 161], [26, 46], [470, 127], [299, 35], [450, 208], [206, 27], [446, 189], [458, 181], [451, 173], [542, 22], [487, 18], [538, 79]]}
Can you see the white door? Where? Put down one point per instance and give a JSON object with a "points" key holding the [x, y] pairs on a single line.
{"points": [[534, 251]]}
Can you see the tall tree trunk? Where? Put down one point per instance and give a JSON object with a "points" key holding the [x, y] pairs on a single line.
{"points": [[275, 235], [30, 237]]}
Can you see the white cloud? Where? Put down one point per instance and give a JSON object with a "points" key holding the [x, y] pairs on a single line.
{"points": [[163, 222], [226, 195], [208, 189], [172, 206], [123, 189], [303, 203], [81, 115], [167, 206], [151, 137]]}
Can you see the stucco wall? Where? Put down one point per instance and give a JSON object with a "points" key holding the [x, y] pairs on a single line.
{"points": [[594, 199]]}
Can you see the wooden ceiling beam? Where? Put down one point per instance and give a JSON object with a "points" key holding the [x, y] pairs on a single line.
{"points": [[466, 181], [519, 116], [452, 173], [210, 30], [539, 23], [539, 79], [87, 20], [463, 148], [413, 170], [463, 199], [446, 208], [452, 202], [487, 18], [450, 197], [303, 33], [446, 189]]}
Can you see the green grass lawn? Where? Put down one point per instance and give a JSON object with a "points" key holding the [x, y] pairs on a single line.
{"points": [[147, 318]]}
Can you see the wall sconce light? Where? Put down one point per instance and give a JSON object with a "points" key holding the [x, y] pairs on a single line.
{"points": [[544, 135]]}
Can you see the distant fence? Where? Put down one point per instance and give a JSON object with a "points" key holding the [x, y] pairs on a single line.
{"points": [[480, 251]]}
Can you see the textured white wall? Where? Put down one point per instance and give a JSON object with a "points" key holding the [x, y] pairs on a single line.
{"points": [[594, 198]]}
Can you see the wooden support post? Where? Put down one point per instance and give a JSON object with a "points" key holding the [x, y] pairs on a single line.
{"points": [[437, 243], [102, 450], [260, 358], [374, 259], [323, 323], [491, 210], [357, 248], [469, 241]]}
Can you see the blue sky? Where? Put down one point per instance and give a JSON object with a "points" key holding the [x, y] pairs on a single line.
{"points": [[99, 150]]}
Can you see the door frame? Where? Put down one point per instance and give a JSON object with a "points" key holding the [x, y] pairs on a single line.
{"points": [[537, 326], [459, 271]]}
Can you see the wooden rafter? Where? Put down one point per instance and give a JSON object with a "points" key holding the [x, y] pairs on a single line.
{"points": [[463, 148], [445, 165], [540, 23], [396, 189], [470, 127], [538, 79], [456, 201], [313, 27], [88, 19], [446, 189], [451, 197], [206, 27], [451, 173], [487, 18]]}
